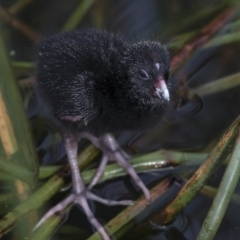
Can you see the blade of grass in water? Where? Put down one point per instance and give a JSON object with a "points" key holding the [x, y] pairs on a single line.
{"points": [[219, 85], [224, 194], [44, 193], [223, 39], [200, 177], [23, 64], [26, 153], [125, 220], [16, 171], [78, 15], [151, 161]]}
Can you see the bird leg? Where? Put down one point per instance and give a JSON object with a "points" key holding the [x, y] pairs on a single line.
{"points": [[80, 193], [112, 151]]}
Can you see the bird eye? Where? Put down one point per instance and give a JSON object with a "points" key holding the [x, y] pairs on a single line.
{"points": [[143, 74]]}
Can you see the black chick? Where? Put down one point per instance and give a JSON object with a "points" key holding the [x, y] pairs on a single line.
{"points": [[95, 83]]}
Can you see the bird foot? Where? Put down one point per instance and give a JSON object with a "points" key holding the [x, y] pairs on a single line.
{"points": [[81, 199], [80, 193], [112, 151]]}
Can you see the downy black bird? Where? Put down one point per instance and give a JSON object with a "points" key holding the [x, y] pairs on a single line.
{"points": [[97, 83]]}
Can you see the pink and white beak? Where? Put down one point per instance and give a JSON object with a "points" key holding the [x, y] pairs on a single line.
{"points": [[161, 89]]}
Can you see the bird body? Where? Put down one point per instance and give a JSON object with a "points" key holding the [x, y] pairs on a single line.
{"points": [[85, 77], [96, 83]]}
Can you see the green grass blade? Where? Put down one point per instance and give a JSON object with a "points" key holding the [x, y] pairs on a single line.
{"points": [[200, 177], [25, 149], [219, 85], [78, 15], [223, 197]]}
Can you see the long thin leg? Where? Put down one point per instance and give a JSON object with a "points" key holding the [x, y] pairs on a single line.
{"points": [[104, 160], [80, 193], [71, 146], [129, 169], [95, 141], [112, 151], [119, 156], [99, 171]]}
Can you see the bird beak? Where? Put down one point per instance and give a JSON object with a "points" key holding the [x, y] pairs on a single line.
{"points": [[161, 89]]}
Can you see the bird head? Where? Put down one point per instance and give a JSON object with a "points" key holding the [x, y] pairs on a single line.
{"points": [[148, 71]]}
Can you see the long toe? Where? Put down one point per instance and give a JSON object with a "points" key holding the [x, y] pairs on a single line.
{"points": [[130, 170], [81, 199], [109, 202], [57, 208]]}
